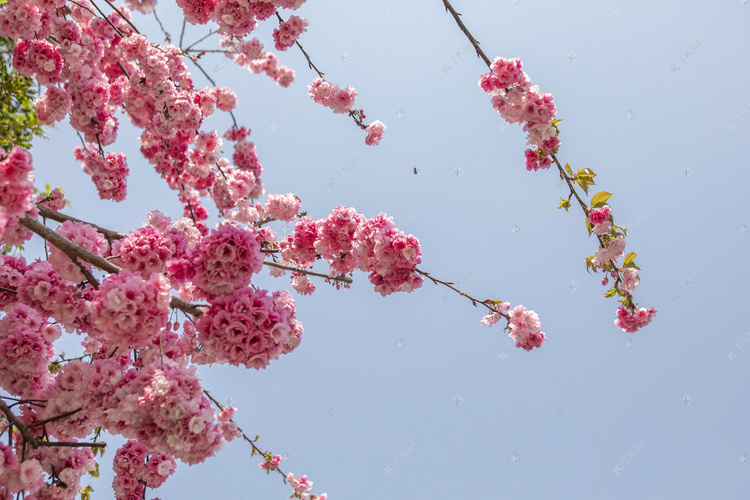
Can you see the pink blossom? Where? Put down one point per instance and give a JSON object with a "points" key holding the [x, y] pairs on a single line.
{"points": [[375, 132], [248, 327], [525, 328], [630, 321], [282, 206], [289, 31], [629, 280], [225, 260], [600, 219], [86, 237], [129, 311]]}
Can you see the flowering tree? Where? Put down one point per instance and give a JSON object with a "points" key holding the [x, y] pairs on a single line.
{"points": [[152, 304]]}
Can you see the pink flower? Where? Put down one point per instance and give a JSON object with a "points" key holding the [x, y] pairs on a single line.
{"points": [[289, 31], [375, 132], [600, 219], [225, 260], [525, 328], [282, 207], [129, 311], [629, 280], [630, 321], [248, 327]]}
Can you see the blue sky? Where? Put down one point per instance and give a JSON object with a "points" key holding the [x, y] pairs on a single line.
{"points": [[409, 396]]}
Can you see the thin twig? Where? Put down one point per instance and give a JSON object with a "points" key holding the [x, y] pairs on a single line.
{"points": [[342, 279], [488, 303], [463, 28]]}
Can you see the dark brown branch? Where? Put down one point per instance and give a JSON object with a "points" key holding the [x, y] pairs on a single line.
{"points": [[342, 279], [73, 250], [488, 303], [48, 213], [466, 32]]}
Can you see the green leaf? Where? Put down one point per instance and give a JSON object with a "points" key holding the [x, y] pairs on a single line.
{"points": [[585, 178], [610, 293], [568, 169], [600, 198], [629, 257], [564, 204], [86, 493]]}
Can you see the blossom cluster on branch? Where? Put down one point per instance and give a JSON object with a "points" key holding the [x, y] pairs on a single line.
{"points": [[136, 374]]}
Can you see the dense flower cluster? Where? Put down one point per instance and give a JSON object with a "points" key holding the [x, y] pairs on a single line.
{"points": [[523, 325], [165, 409], [389, 255], [282, 206], [600, 220], [26, 349], [332, 96], [15, 477], [109, 173], [375, 132], [54, 200], [630, 321], [525, 328], [349, 241], [250, 327], [136, 470], [83, 235], [518, 101], [148, 249], [614, 249], [128, 311], [16, 185], [272, 463], [289, 31], [41, 287], [225, 260], [301, 487], [68, 465]]}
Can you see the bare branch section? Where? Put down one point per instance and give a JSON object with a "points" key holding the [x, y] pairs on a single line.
{"points": [[466, 32]]}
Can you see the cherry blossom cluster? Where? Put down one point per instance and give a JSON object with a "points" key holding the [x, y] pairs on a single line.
{"points": [[83, 235], [130, 311], [18, 477], [39, 286], [54, 200], [249, 54], [64, 467], [165, 409], [631, 321], [600, 222], [16, 187], [109, 173], [301, 487], [349, 241], [523, 327], [136, 470], [289, 31], [234, 17], [249, 327], [332, 96], [270, 463], [26, 349], [518, 101]]}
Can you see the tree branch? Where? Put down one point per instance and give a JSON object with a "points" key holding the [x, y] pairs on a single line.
{"points": [[342, 279]]}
